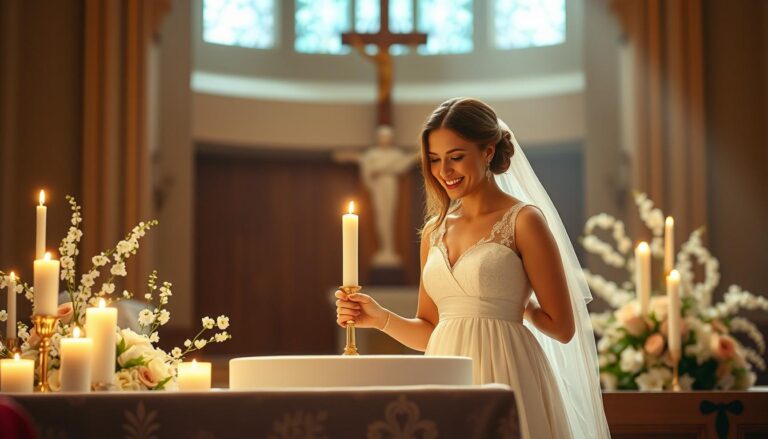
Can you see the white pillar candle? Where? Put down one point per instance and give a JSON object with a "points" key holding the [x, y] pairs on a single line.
{"points": [[46, 286], [10, 328], [669, 245], [194, 376], [17, 375], [643, 275], [673, 318], [76, 357], [41, 220], [349, 247], [101, 327]]}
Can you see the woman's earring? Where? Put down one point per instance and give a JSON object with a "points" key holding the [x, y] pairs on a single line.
{"points": [[488, 173]]}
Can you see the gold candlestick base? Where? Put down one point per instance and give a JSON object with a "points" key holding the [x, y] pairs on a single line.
{"points": [[45, 325], [675, 374], [12, 345], [351, 348]]}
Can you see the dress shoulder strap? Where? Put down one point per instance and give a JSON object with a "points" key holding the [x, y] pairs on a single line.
{"points": [[506, 227]]}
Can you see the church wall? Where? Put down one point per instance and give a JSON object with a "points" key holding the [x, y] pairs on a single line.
{"points": [[41, 59]]}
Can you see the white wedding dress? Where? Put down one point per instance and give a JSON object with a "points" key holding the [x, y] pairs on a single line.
{"points": [[481, 299]]}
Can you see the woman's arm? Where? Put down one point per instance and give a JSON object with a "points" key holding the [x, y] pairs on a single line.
{"points": [[541, 259]]}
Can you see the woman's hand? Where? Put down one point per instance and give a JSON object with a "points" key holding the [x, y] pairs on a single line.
{"points": [[360, 308]]}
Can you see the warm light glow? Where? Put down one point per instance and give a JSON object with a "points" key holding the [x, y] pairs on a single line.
{"points": [[669, 221], [194, 363], [674, 275], [643, 246], [13, 276], [47, 256], [102, 303], [351, 207], [42, 197], [76, 332], [16, 357]]}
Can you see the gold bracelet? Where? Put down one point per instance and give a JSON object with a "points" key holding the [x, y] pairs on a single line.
{"points": [[384, 328]]}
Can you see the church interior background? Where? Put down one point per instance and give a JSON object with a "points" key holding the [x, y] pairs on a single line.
{"points": [[225, 119]]}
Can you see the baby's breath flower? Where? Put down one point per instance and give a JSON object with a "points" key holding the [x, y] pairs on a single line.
{"points": [[146, 317], [108, 288], [221, 336], [3, 315], [163, 317], [208, 322], [118, 269], [187, 342], [176, 352], [222, 322], [199, 344]]}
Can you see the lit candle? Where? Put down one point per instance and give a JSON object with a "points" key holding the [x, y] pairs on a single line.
{"points": [[673, 318], [46, 286], [41, 218], [669, 245], [17, 375], [349, 247], [101, 327], [76, 357], [10, 328], [194, 376], [643, 275]]}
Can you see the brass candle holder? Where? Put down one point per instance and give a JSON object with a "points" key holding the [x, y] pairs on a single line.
{"points": [[12, 345], [45, 326], [675, 372], [350, 348]]}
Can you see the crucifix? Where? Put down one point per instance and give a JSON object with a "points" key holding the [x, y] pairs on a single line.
{"points": [[383, 60]]}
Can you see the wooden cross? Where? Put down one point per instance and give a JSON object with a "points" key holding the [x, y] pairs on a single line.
{"points": [[383, 60]]}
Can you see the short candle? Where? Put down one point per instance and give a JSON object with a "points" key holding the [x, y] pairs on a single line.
{"points": [[76, 358], [194, 375], [17, 375]]}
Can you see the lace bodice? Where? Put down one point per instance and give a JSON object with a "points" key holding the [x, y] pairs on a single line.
{"points": [[490, 270]]}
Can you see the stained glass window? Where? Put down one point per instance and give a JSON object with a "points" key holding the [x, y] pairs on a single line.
{"points": [[448, 24], [246, 23], [528, 23]]}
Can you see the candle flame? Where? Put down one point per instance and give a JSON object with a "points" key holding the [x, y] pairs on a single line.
{"points": [[47, 256], [16, 356], [669, 221], [351, 207], [42, 197], [13, 276], [102, 303], [674, 275], [643, 246], [194, 363], [76, 332]]}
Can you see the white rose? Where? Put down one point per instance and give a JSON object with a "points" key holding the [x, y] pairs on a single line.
{"points": [[131, 338], [653, 380], [609, 381], [631, 360], [135, 351], [128, 379]]}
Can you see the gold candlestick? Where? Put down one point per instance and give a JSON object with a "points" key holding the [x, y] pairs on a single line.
{"points": [[45, 326], [12, 345], [351, 348], [675, 373]]}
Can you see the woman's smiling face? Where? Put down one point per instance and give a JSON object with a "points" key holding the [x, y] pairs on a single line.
{"points": [[457, 164]]}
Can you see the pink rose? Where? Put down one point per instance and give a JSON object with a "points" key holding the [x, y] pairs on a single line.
{"points": [[654, 344], [635, 326], [722, 370], [146, 378], [723, 347], [64, 313], [626, 312]]}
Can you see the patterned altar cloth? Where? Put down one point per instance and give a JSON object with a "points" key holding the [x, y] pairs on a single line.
{"points": [[391, 412]]}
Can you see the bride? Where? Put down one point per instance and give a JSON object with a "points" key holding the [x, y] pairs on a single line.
{"points": [[492, 237]]}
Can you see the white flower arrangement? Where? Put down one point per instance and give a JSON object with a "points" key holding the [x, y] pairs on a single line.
{"points": [[632, 348], [140, 364]]}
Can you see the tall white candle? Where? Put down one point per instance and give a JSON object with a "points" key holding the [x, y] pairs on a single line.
{"points": [[673, 322], [17, 375], [46, 286], [349, 247], [10, 328], [194, 376], [643, 275], [669, 245], [101, 327], [76, 357], [41, 220]]}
